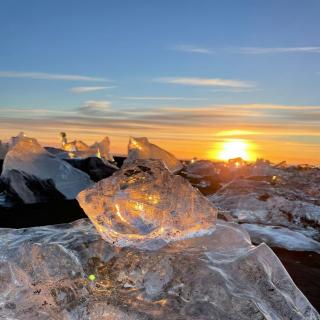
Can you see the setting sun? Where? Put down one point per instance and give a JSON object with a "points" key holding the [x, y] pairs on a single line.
{"points": [[233, 149]]}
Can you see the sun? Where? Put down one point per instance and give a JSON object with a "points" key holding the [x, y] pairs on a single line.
{"points": [[233, 149]]}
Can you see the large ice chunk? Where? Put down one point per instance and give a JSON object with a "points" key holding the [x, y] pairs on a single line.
{"points": [[141, 148], [69, 272], [29, 157], [144, 205]]}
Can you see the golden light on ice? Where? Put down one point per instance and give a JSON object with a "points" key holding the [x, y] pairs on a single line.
{"points": [[233, 149]]}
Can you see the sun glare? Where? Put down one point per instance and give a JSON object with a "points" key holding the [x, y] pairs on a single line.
{"points": [[233, 149]]}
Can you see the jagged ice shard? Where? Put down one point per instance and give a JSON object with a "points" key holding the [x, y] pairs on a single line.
{"points": [[141, 148], [27, 156], [103, 149], [144, 205]]}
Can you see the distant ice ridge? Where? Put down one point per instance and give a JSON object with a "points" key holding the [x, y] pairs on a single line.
{"points": [[68, 272], [144, 205], [278, 204], [251, 201], [141, 148], [28, 157], [78, 148]]}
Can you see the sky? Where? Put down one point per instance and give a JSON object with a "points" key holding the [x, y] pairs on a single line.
{"points": [[189, 75]]}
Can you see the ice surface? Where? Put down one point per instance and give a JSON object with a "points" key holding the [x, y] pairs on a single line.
{"points": [[29, 157], [141, 148], [281, 237], [68, 272], [144, 205]]}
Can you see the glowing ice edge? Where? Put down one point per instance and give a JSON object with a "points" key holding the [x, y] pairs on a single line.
{"points": [[160, 235]]}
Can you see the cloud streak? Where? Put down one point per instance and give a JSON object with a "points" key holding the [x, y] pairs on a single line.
{"points": [[193, 49], [276, 50], [249, 50], [206, 82], [88, 89], [150, 98], [95, 107], [49, 76]]}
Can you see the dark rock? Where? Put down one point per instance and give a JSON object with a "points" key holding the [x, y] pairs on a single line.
{"points": [[119, 161], [40, 214], [93, 166]]}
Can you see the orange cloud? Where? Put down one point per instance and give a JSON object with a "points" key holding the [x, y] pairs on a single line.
{"points": [[278, 132]]}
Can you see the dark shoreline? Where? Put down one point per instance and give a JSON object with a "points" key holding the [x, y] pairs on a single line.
{"points": [[304, 269]]}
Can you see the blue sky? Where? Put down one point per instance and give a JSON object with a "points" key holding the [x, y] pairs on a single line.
{"points": [[121, 56]]}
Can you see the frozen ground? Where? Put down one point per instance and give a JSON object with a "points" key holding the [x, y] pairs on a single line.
{"points": [[70, 272], [196, 266]]}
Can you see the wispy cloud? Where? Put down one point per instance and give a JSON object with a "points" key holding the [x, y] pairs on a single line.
{"points": [[248, 50], [145, 98], [236, 133], [236, 90], [88, 89], [15, 112], [193, 49], [95, 107], [49, 76], [197, 116], [275, 50], [207, 82]]}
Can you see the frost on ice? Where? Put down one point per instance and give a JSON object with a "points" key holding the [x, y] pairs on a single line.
{"points": [[67, 272], [144, 205], [78, 148], [28, 157], [141, 148]]}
